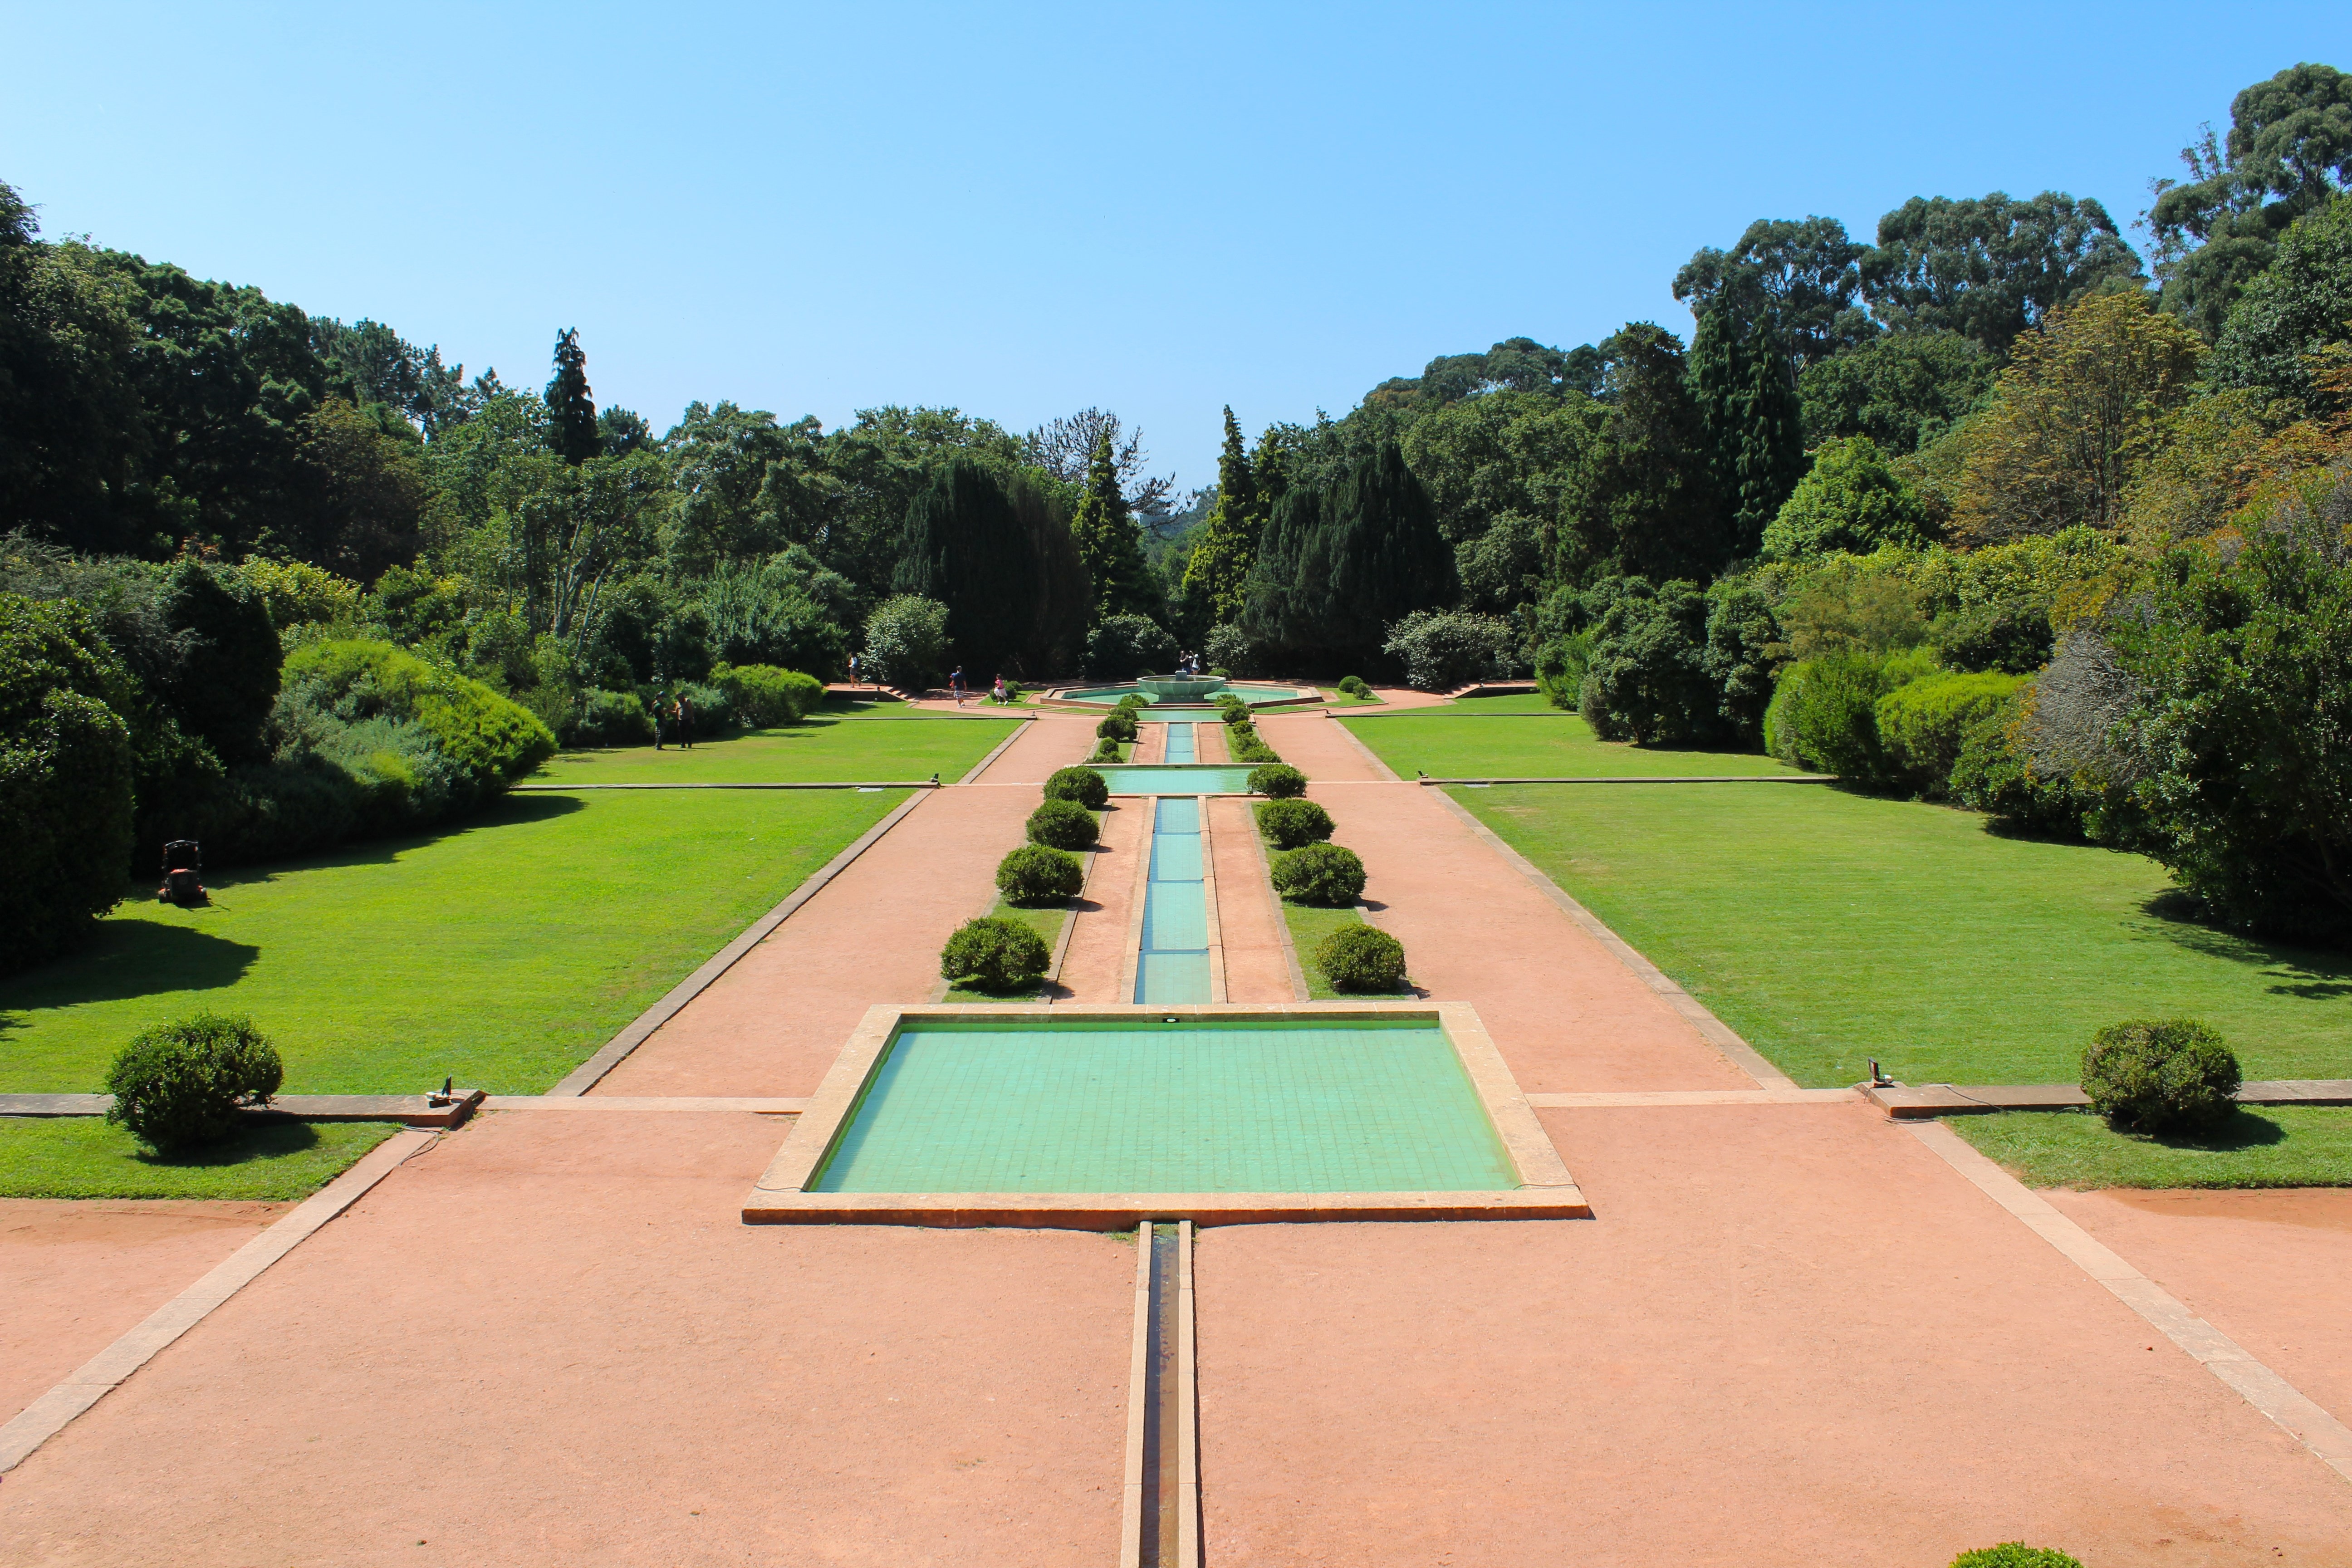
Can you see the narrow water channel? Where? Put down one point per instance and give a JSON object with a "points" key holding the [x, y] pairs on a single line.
{"points": [[1173, 962]]}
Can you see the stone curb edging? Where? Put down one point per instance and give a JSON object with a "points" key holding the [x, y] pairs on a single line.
{"points": [[1904, 1102], [2327, 1438], [1718, 1034], [414, 1110], [584, 1076], [95, 1378]]}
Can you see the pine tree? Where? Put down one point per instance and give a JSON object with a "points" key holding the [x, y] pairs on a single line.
{"points": [[1378, 557], [1219, 569], [1111, 546], [574, 416]]}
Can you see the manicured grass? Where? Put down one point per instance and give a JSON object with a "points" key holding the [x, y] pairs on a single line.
{"points": [[82, 1157], [1335, 697], [824, 750], [1828, 927], [1309, 924], [501, 953], [2273, 1146], [1465, 741]]}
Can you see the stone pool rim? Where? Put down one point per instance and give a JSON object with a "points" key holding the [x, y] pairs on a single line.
{"points": [[781, 1196], [1059, 696]]}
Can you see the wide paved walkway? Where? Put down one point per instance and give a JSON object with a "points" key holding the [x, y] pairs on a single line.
{"points": [[1790, 1335]]}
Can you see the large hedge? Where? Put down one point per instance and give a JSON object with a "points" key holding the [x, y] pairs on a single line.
{"points": [[762, 696], [1923, 724], [1824, 715], [64, 778]]}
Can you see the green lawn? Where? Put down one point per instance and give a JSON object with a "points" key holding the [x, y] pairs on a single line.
{"points": [[826, 750], [501, 953], [2271, 1146], [82, 1157], [1464, 741], [1828, 927]]}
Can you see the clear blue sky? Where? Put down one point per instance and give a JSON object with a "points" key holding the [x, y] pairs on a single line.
{"points": [[1022, 210]]}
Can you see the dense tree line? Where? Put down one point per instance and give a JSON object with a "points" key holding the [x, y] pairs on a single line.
{"points": [[1966, 451]]}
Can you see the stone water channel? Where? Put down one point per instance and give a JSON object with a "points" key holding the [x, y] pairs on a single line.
{"points": [[1172, 962]]}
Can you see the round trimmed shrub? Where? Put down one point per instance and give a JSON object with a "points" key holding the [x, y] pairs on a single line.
{"points": [[2015, 1554], [1117, 725], [1035, 874], [1132, 700], [1233, 709], [2161, 1075], [1085, 786], [1064, 824], [179, 1086], [1243, 744], [1361, 958], [995, 954], [1322, 874], [1104, 752], [1353, 685], [1277, 780], [1289, 824]]}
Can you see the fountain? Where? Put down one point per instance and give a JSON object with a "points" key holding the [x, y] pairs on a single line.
{"points": [[1180, 688]]}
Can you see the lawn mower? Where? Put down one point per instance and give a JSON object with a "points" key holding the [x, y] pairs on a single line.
{"points": [[181, 860]]}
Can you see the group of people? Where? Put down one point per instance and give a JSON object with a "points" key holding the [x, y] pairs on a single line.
{"points": [[999, 691], [674, 722]]}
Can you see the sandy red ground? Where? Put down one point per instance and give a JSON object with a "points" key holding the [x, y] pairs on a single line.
{"points": [[1790, 1335]]}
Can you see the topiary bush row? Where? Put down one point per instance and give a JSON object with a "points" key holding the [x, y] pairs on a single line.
{"points": [[1035, 874], [1361, 958], [2161, 1075], [1326, 875], [180, 1086], [1117, 725], [1104, 752], [993, 953], [1353, 685], [1289, 824], [1064, 823], [1243, 743], [1277, 780], [1082, 785]]}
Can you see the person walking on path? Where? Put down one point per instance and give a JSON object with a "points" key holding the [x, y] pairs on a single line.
{"points": [[999, 692], [853, 669], [955, 685]]}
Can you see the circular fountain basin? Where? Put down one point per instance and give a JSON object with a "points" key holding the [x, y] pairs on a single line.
{"points": [[1180, 688]]}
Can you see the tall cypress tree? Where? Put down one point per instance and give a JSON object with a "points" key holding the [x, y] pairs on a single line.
{"points": [[574, 415], [1220, 568], [1746, 392], [965, 546], [1772, 441], [1111, 546], [1378, 557], [1270, 613]]}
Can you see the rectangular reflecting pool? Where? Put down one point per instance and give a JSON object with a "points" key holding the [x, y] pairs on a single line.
{"points": [[1202, 1106], [1102, 1117], [1198, 778]]}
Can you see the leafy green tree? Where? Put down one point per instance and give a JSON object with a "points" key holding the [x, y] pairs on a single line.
{"points": [[1992, 266], [1500, 452], [786, 611], [74, 442], [1503, 567], [1645, 501], [906, 639], [222, 688], [1903, 390], [367, 485], [1801, 276], [1850, 500], [570, 411], [746, 486], [367, 363], [2288, 153], [2238, 732], [2297, 307], [1744, 653], [1647, 680], [2081, 403], [64, 778], [1515, 364], [1110, 544], [1218, 568]]}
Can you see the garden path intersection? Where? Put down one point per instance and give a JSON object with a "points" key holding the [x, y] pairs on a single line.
{"points": [[1793, 1330]]}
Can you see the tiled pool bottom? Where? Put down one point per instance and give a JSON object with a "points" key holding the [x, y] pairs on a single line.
{"points": [[1366, 1104], [1182, 778]]}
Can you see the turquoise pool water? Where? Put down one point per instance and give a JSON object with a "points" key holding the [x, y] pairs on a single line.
{"points": [[1180, 745], [1198, 778], [986, 1105], [1106, 695], [1173, 963]]}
